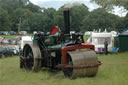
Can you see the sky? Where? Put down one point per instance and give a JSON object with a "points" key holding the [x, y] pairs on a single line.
{"points": [[58, 3]]}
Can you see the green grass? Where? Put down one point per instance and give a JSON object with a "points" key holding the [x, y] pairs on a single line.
{"points": [[86, 37], [12, 36], [8, 36], [113, 71]]}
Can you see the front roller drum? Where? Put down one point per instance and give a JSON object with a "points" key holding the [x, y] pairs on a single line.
{"points": [[81, 63]]}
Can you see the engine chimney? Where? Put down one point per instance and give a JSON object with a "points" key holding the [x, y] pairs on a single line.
{"points": [[66, 21]]}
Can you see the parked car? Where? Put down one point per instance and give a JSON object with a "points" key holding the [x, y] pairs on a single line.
{"points": [[2, 52], [5, 33], [12, 33], [13, 50], [8, 51], [22, 33], [13, 42], [19, 33], [2, 40], [16, 48], [5, 42], [17, 38]]}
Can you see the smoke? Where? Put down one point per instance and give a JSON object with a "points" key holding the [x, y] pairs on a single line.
{"points": [[71, 3]]}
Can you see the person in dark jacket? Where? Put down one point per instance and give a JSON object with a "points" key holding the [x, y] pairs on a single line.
{"points": [[105, 47]]}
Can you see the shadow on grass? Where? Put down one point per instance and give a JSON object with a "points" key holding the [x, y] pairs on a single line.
{"points": [[54, 73]]}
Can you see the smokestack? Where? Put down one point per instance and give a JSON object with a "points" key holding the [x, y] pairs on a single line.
{"points": [[66, 21]]}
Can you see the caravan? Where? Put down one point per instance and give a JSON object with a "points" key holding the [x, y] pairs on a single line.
{"points": [[98, 40]]}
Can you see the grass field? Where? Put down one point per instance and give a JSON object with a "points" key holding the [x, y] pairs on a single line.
{"points": [[12, 36], [8, 36], [114, 71]]}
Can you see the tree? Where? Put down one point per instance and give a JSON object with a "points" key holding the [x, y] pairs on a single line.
{"points": [[111, 3], [49, 12], [100, 19], [125, 21], [23, 3], [59, 18], [9, 5], [123, 24], [33, 8], [23, 15], [40, 22], [78, 12], [4, 20]]}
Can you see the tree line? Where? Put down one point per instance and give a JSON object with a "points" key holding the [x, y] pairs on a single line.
{"points": [[23, 15]]}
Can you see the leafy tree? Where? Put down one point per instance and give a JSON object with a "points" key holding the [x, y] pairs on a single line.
{"points": [[49, 12], [100, 19], [22, 15], [49, 19], [125, 21], [23, 3], [4, 20], [111, 3], [33, 8], [123, 24], [25, 15], [35, 22], [9, 5], [78, 12], [40, 22], [59, 18]]}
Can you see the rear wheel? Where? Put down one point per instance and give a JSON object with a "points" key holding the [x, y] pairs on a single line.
{"points": [[31, 59]]}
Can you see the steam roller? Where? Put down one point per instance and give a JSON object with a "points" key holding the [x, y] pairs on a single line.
{"points": [[60, 50]]}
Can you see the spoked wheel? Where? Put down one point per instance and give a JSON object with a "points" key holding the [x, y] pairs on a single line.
{"points": [[31, 59]]}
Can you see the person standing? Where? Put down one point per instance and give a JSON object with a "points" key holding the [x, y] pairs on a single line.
{"points": [[105, 47]]}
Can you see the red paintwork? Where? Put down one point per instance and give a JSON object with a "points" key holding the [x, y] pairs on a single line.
{"points": [[78, 66], [65, 49], [54, 30], [48, 40]]}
